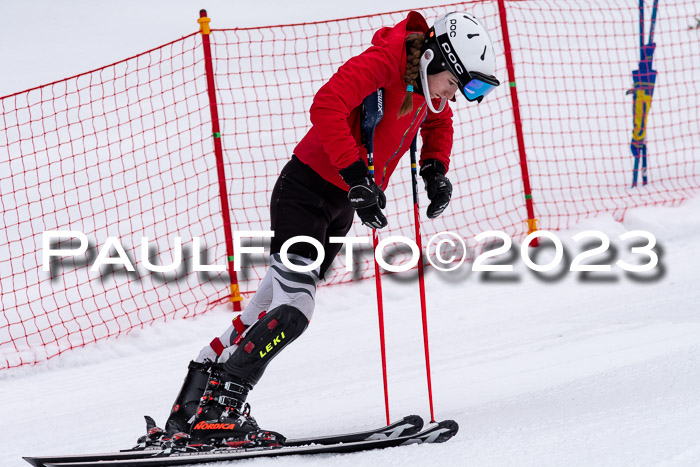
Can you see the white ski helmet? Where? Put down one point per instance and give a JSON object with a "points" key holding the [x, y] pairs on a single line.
{"points": [[459, 42]]}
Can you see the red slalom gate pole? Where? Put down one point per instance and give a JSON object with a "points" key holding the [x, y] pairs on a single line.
{"points": [[531, 221], [421, 280], [219, 153]]}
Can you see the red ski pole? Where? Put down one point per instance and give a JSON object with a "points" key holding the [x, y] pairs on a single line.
{"points": [[372, 113], [380, 313], [421, 281]]}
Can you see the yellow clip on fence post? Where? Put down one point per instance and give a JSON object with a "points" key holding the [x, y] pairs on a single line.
{"points": [[235, 293], [532, 226], [204, 22]]}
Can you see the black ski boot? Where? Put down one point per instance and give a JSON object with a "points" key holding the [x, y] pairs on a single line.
{"points": [[183, 411], [223, 417], [187, 402]]}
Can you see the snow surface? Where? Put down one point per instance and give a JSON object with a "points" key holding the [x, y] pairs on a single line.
{"points": [[536, 371]]}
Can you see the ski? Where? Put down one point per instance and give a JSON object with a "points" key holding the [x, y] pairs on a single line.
{"points": [[409, 425], [437, 433]]}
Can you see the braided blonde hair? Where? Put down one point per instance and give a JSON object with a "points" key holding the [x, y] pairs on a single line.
{"points": [[414, 42]]}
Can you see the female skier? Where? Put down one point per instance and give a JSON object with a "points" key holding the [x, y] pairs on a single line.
{"points": [[317, 194]]}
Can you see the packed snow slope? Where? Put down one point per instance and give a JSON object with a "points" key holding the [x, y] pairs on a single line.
{"points": [[536, 371], [553, 370]]}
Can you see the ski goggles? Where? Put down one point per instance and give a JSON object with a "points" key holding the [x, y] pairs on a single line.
{"points": [[478, 86], [473, 84]]}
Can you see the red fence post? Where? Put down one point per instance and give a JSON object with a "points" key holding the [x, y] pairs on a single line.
{"points": [[531, 221], [219, 153]]}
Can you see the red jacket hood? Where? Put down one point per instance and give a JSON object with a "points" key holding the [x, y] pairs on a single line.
{"points": [[334, 140], [392, 38]]}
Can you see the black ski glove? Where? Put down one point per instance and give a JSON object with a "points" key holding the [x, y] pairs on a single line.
{"points": [[437, 185], [364, 195]]}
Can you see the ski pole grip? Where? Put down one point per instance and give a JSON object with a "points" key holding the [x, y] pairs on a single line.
{"points": [[372, 113]]}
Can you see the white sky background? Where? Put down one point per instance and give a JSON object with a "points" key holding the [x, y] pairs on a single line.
{"points": [[44, 40]]}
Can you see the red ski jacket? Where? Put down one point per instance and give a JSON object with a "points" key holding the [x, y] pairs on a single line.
{"points": [[334, 141]]}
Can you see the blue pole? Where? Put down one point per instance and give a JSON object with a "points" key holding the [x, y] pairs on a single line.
{"points": [[653, 21], [635, 171], [641, 29], [644, 165]]}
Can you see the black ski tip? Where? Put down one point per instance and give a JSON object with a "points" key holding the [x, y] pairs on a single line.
{"points": [[452, 429], [415, 420], [33, 460]]}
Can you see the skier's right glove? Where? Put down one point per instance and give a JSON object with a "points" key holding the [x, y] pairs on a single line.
{"points": [[364, 195]]}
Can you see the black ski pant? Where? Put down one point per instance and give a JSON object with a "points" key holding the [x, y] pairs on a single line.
{"points": [[304, 203]]}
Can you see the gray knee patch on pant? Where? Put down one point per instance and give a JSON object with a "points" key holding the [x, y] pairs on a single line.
{"points": [[281, 286], [297, 289], [265, 339]]}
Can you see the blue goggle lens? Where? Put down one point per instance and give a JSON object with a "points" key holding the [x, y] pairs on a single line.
{"points": [[476, 89]]}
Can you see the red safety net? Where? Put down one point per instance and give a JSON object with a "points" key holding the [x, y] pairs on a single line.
{"points": [[126, 152]]}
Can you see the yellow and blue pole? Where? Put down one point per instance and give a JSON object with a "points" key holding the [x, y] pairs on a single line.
{"points": [[643, 80]]}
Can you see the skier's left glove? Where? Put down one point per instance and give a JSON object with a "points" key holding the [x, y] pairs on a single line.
{"points": [[437, 185], [364, 195]]}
